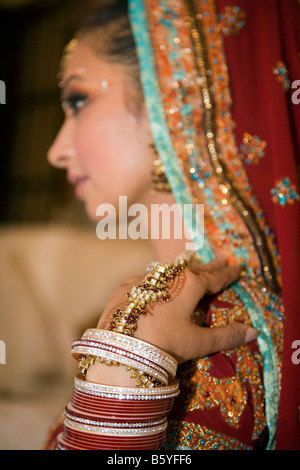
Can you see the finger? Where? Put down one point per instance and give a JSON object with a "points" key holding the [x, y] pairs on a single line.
{"points": [[206, 341], [217, 280], [197, 266], [228, 337]]}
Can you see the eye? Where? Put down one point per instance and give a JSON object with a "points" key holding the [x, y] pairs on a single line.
{"points": [[74, 102]]}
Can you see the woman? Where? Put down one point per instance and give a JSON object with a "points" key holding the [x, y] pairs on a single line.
{"points": [[154, 92]]}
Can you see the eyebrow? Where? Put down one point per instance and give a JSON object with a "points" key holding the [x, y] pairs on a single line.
{"points": [[69, 79]]}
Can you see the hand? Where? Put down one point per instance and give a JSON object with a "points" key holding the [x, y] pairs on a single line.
{"points": [[169, 325]]}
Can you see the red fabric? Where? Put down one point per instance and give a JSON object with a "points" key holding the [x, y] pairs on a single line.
{"points": [[261, 107], [190, 407]]}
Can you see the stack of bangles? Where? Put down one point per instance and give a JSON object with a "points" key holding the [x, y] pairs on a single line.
{"points": [[104, 417]]}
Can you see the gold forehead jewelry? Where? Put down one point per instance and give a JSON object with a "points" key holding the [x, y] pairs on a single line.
{"points": [[67, 51]]}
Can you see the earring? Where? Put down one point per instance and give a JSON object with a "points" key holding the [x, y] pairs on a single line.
{"points": [[159, 179]]}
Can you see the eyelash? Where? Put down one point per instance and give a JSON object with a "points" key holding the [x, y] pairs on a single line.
{"points": [[74, 102]]}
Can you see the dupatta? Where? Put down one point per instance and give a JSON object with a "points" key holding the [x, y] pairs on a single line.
{"points": [[217, 85]]}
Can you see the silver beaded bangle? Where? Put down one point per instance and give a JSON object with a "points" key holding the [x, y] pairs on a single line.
{"points": [[127, 393], [135, 346]]}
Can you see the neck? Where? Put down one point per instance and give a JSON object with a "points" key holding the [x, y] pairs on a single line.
{"points": [[165, 227]]}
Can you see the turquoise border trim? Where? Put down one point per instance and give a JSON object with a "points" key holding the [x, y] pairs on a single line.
{"points": [[159, 127], [266, 349]]}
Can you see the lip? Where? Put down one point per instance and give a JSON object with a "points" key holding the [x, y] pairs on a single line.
{"points": [[78, 182]]}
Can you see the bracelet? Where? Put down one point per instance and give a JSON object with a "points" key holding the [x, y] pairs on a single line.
{"points": [[135, 346], [76, 417], [106, 417], [153, 288], [113, 351], [126, 393], [127, 410], [112, 355], [81, 440], [151, 366]]}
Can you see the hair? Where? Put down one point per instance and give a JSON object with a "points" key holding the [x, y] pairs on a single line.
{"points": [[109, 32]]}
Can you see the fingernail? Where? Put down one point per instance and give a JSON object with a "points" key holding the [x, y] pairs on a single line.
{"points": [[251, 335]]}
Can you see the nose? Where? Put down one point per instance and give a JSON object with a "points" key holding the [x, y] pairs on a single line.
{"points": [[62, 148]]}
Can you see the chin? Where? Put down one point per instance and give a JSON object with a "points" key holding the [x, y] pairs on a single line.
{"points": [[91, 210]]}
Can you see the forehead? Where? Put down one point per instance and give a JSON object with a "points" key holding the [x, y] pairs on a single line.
{"points": [[81, 59]]}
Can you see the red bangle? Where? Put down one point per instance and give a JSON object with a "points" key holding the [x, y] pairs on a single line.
{"points": [[108, 405], [108, 417], [105, 417]]}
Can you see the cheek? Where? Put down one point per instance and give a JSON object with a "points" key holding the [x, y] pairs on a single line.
{"points": [[113, 147], [90, 147]]}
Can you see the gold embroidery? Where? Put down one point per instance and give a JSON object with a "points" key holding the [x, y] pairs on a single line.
{"points": [[231, 394], [214, 120], [181, 434]]}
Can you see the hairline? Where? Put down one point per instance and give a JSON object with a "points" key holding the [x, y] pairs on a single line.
{"points": [[136, 104]]}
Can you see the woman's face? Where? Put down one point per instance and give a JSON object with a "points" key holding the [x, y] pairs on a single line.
{"points": [[103, 145]]}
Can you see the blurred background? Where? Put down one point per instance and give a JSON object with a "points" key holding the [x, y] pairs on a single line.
{"points": [[55, 275]]}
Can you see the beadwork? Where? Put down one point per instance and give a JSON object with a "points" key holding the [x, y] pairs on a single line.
{"points": [[282, 75], [284, 192], [185, 435], [253, 149], [154, 288], [230, 393], [197, 104], [232, 20]]}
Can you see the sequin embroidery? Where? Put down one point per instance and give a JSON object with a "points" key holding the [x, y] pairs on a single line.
{"points": [[282, 75], [284, 192], [184, 435], [252, 148], [232, 20]]}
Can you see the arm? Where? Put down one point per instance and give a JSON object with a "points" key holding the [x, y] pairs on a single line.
{"points": [[143, 345]]}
